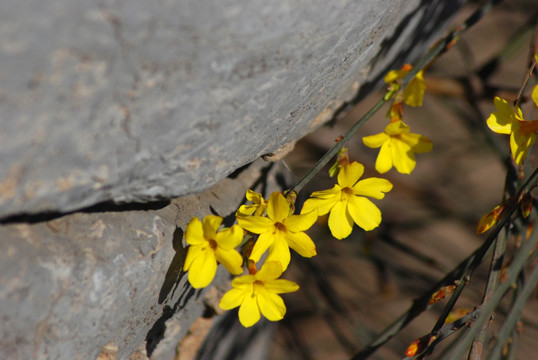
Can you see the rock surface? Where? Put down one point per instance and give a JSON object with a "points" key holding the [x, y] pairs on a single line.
{"points": [[133, 101], [115, 108], [74, 284]]}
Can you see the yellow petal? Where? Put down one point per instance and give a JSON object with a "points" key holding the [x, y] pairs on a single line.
{"points": [[254, 197], [230, 259], [394, 75], [303, 222], [414, 91], [211, 225], [229, 238], [280, 252], [246, 210], [281, 286], [232, 299], [203, 269], [375, 141], [403, 158], [364, 213], [194, 233], [244, 282], [277, 207], [192, 253], [271, 305], [340, 221], [327, 194], [417, 142], [270, 270], [349, 174], [255, 224], [323, 206], [383, 162], [249, 313], [264, 241], [397, 128], [499, 124], [372, 187], [301, 243]]}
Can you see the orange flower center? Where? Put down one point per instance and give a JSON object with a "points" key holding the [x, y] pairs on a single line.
{"points": [[528, 127], [212, 244], [280, 226], [346, 193]]}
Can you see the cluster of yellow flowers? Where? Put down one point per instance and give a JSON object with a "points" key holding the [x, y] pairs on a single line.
{"points": [[508, 119], [269, 226]]}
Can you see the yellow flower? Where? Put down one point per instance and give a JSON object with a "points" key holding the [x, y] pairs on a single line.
{"points": [[414, 91], [279, 231], [398, 147], [346, 201], [259, 293], [509, 120], [258, 207], [207, 246]]}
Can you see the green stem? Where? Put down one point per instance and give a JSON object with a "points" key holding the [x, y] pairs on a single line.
{"points": [[520, 260], [440, 47], [461, 273]]}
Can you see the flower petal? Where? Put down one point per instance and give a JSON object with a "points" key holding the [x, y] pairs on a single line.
{"points": [[397, 128], [211, 225], [280, 252], [301, 243], [249, 313], [372, 187], [264, 241], [340, 222], [194, 233], [349, 174], [414, 91], [230, 259], [418, 143], [244, 282], [403, 158], [229, 238], [394, 75], [281, 286], [383, 162], [270, 270], [255, 224], [375, 141], [303, 222], [322, 205], [271, 305], [232, 299], [277, 208], [203, 269], [192, 253], [364, 213]]}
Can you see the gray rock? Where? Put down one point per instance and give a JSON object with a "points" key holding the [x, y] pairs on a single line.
{"points": [[74, 284], [134, 101]]}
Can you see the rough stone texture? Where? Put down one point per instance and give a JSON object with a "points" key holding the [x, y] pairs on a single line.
{"points": [[74, 284], [135, 100]]}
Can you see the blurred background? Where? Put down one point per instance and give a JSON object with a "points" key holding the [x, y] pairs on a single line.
{"points": [[356, 287]]}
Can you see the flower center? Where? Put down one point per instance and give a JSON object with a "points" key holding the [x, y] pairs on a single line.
{"points": [[280, 226], [212, 244], [346, 193], [528, 127]]}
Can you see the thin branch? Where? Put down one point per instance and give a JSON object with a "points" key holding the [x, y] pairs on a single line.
{"points": [[520, 260], [443, 45], [461, 272]]}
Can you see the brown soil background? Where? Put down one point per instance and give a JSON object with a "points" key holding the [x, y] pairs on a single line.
{"points": [[356, 287]]}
